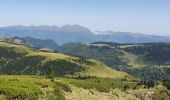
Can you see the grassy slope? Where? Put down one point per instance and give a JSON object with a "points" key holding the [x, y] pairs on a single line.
{"points": [[40, 88], [102, 70], [30, 42], [130, 58], [98, 69], [33, 52], [22, 86], [91, 94], [150, 52]]}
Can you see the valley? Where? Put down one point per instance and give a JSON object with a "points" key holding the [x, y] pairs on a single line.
{"points": [[84, 50]]}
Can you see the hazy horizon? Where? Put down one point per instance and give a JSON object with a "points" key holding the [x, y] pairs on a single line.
{"points": [[146, 17], [93, 31]]}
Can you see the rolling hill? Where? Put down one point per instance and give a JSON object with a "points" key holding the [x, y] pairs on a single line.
{"points": [[19, 59], [29, 73]]}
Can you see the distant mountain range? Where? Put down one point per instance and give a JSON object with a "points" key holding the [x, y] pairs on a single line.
{"points": [[77, 33], [38, 43]]}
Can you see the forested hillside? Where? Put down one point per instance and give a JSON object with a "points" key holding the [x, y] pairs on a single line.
{"points": [[146, 61], [18, 59]]}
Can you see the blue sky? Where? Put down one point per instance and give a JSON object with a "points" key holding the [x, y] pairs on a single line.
{"points": [[141, 16]]}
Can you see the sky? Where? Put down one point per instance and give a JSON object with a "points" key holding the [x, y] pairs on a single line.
{"points": [[138, 16]]}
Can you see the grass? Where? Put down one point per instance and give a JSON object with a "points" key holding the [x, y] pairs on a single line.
{"points": [[101, 45], [91, 94], [165, 66], [33, 52], [158, 92], [40, 88], [16, 89], [30, 88], [20, 87], [101, 70], [133, 60], [100, 84], [126, 46]]}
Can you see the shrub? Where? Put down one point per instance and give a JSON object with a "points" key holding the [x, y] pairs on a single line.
{"points": [[19, 90], [64, 86]]}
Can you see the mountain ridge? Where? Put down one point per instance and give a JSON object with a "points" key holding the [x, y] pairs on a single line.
{"points": [[77, 33]]}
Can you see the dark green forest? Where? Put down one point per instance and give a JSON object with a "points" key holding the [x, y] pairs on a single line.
{"points": [[13, 62]]}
